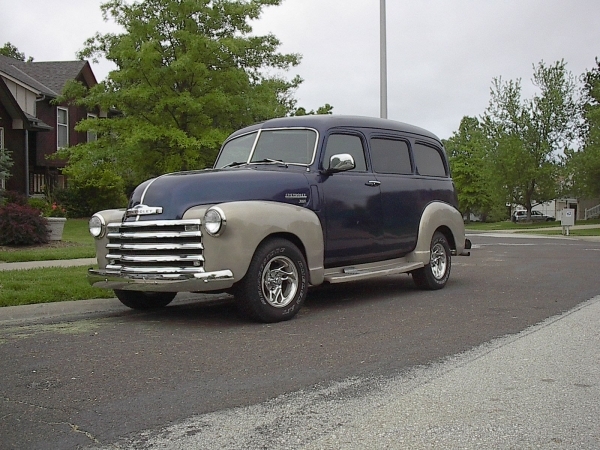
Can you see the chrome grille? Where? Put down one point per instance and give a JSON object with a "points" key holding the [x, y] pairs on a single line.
{"points": [[165, 248]]}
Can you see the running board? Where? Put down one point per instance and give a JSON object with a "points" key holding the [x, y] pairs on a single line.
{"points": [[357, 273]]}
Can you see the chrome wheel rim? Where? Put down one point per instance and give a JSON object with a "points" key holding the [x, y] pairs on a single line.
{"points": [[279, 281], [438, 261]]}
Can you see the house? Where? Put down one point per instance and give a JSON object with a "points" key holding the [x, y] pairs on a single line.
{"points": [[585, 208], [32, 127]]}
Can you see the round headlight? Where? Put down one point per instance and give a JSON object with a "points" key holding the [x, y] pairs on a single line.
{"points": [[214, 221], [97, 226]]}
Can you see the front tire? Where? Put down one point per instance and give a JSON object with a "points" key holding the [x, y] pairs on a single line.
{"points": [[145, 300], [435, 274], [276, 283]]}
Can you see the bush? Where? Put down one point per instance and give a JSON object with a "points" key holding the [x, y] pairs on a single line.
{"points": [[83, 201], [47, 207], [15, 197], [22, 225], [37, 203]]}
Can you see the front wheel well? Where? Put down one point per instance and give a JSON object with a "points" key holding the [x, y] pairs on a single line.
{"points": [[289, 237]]}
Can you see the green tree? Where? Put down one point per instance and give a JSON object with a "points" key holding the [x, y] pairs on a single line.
{"points": [[584, 165], [530, 136], [301, 111], [13, 52], [189, 72], [467, 151]]}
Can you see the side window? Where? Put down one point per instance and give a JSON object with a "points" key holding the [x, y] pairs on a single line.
{"points": [[429, 161], [346, 143], [390, 156]]}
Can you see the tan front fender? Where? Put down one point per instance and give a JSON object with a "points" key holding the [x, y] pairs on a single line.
{"points": [[251, 222]]}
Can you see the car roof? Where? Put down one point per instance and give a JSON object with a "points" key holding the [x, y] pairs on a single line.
{"points": [[324, 122]]}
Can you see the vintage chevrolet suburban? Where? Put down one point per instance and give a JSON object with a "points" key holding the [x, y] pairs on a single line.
{"points": [[290, 203]]}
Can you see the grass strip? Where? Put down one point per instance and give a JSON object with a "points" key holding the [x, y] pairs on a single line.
{"points": [[56, 284], [508, 225], [76, 243]]}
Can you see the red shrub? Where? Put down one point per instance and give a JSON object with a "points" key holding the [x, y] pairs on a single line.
{"points": [[22, 225], [14, 197]]}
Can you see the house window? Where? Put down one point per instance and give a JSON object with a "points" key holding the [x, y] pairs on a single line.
{"points": [[62, 127], [91, 135]]}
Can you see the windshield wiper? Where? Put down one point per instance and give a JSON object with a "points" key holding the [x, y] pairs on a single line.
{"points": [[271, 161], [234, 164]]}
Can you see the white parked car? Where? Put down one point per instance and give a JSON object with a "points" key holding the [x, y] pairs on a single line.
{"points": [[536, 216]]}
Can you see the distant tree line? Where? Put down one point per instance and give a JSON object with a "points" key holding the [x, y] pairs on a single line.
{"points": [[530, 151]]}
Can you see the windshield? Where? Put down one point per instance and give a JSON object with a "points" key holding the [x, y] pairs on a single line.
{"points": [[290, 145], [236, 151]]}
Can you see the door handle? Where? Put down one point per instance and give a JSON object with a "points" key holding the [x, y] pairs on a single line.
{"points": [[373, 183]]}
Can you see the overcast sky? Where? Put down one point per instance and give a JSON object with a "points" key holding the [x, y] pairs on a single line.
{"points": [[442, 54]]}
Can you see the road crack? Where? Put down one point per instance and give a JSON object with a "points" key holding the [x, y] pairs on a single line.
{"points": [[76, 429]]}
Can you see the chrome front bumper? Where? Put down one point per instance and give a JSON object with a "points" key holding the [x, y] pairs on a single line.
{"points": [[197, 282]]}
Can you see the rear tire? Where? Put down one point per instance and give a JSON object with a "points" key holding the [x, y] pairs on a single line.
{"points": [[145, 300], [435, 274], [276, 283]]}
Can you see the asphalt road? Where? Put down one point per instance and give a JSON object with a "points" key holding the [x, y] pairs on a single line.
{"points": [[115, 378]]}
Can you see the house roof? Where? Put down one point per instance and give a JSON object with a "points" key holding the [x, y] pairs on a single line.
{"points": [[47, 77], [12, 68], [15, 112]]}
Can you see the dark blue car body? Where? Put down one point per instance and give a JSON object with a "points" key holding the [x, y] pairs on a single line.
{"points": [[366, 216], [290, 202]]}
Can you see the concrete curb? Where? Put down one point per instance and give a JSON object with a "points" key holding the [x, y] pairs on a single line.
{"points": [[30, 313], [51, 263]]}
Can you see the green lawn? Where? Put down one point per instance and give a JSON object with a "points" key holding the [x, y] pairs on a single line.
{"points": [[77, 243], [24, 287]]}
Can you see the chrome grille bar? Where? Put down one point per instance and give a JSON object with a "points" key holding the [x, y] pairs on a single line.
{"points": [[157, 258], [151, 235], [163, 247], [157, 247]]}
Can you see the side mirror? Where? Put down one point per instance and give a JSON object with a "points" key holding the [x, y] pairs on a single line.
{"points": [[341, 163]]}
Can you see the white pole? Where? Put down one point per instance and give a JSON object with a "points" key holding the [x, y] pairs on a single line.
{"points": [[383, 61]]}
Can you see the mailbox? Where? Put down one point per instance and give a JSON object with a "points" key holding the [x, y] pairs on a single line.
{"points": [[567, 219]]}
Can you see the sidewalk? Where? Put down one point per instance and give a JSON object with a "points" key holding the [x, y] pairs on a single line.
{"points": [[50, 263], [533, 230], [537, 233], [537, 389]]}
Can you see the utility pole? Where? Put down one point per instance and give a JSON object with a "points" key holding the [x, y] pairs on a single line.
{"points": [[382, 61]]}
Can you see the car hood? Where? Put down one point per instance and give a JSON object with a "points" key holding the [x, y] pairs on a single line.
{"points": [[175, 193]]}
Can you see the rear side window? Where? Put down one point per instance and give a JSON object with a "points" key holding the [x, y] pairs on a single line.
{"points": [[429, 161], [346, 143], [390, 156]]}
